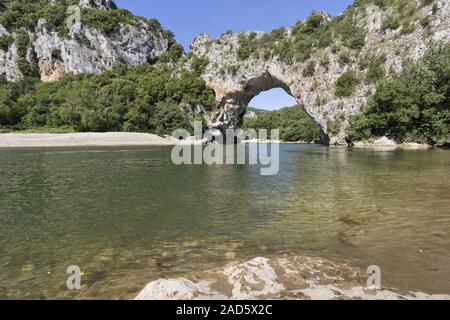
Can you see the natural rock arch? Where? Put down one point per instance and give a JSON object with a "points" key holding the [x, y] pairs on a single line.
{"points": [[232, 106], [235, 89], [237, 86], [235, 103], [236, 78]]}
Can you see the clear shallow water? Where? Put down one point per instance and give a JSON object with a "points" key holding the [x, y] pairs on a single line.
{"points": [[127, 216]]}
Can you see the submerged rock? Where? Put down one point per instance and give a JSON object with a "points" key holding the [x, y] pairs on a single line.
{"points": [[354, 220], [304, 278]]}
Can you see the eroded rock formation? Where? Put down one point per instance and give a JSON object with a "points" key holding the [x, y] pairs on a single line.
{"points": [[237, 81], [84, 49], [98, 4]]}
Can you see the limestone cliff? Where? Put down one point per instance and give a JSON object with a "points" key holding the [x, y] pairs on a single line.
{"points": [[330, 65], [81, 48], [240, 66]]}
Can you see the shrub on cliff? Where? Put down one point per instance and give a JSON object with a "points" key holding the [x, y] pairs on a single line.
{"points": [[376, 70], [174, 54], [346, 84], [391, 23], [6, 41], [107, 21], [347, 31], [199, 64], [310, 69]]}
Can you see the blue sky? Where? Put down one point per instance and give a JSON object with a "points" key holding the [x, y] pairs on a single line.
{"points": [[187, 19]]}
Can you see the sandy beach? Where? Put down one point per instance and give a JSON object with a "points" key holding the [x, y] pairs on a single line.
{"points": [[17, 140]]}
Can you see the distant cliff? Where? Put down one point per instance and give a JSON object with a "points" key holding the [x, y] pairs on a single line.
{"points": [[48, 38]]}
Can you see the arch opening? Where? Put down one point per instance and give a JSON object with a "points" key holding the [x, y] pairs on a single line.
{"points": [[276, 108], [272, 100], [265, 102]]}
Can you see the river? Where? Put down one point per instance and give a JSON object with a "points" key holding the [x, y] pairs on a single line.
{"points": [[127, 216]]}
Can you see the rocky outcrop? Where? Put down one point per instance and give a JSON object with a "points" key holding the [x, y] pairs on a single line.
{"points": [[236, 81], [8, 59], [85, 49], [385, 143], [98, 4], [302, 278], [132, 44]]}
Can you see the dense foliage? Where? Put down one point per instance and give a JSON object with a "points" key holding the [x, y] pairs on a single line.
{"points": [[109, 21], [25, 14], [346, 84], [413, 106], [143, 99], [293, 122]]}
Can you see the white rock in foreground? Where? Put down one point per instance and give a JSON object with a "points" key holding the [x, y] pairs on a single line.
{"points": [[179, 289], [302, 278]]}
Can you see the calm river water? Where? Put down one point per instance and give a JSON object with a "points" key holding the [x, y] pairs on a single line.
{"points": [[128, 216]]}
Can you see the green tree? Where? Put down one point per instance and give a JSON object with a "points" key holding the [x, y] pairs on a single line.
{"points": [[293, 122], [413, 106]]}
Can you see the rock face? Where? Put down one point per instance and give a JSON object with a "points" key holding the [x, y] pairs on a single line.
{"points": [[84, 49], [302, 278], [236, 82], [98, 4], [8, 59]]}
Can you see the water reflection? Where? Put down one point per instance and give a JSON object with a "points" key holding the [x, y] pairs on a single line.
{"points": [[129, 216]]}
